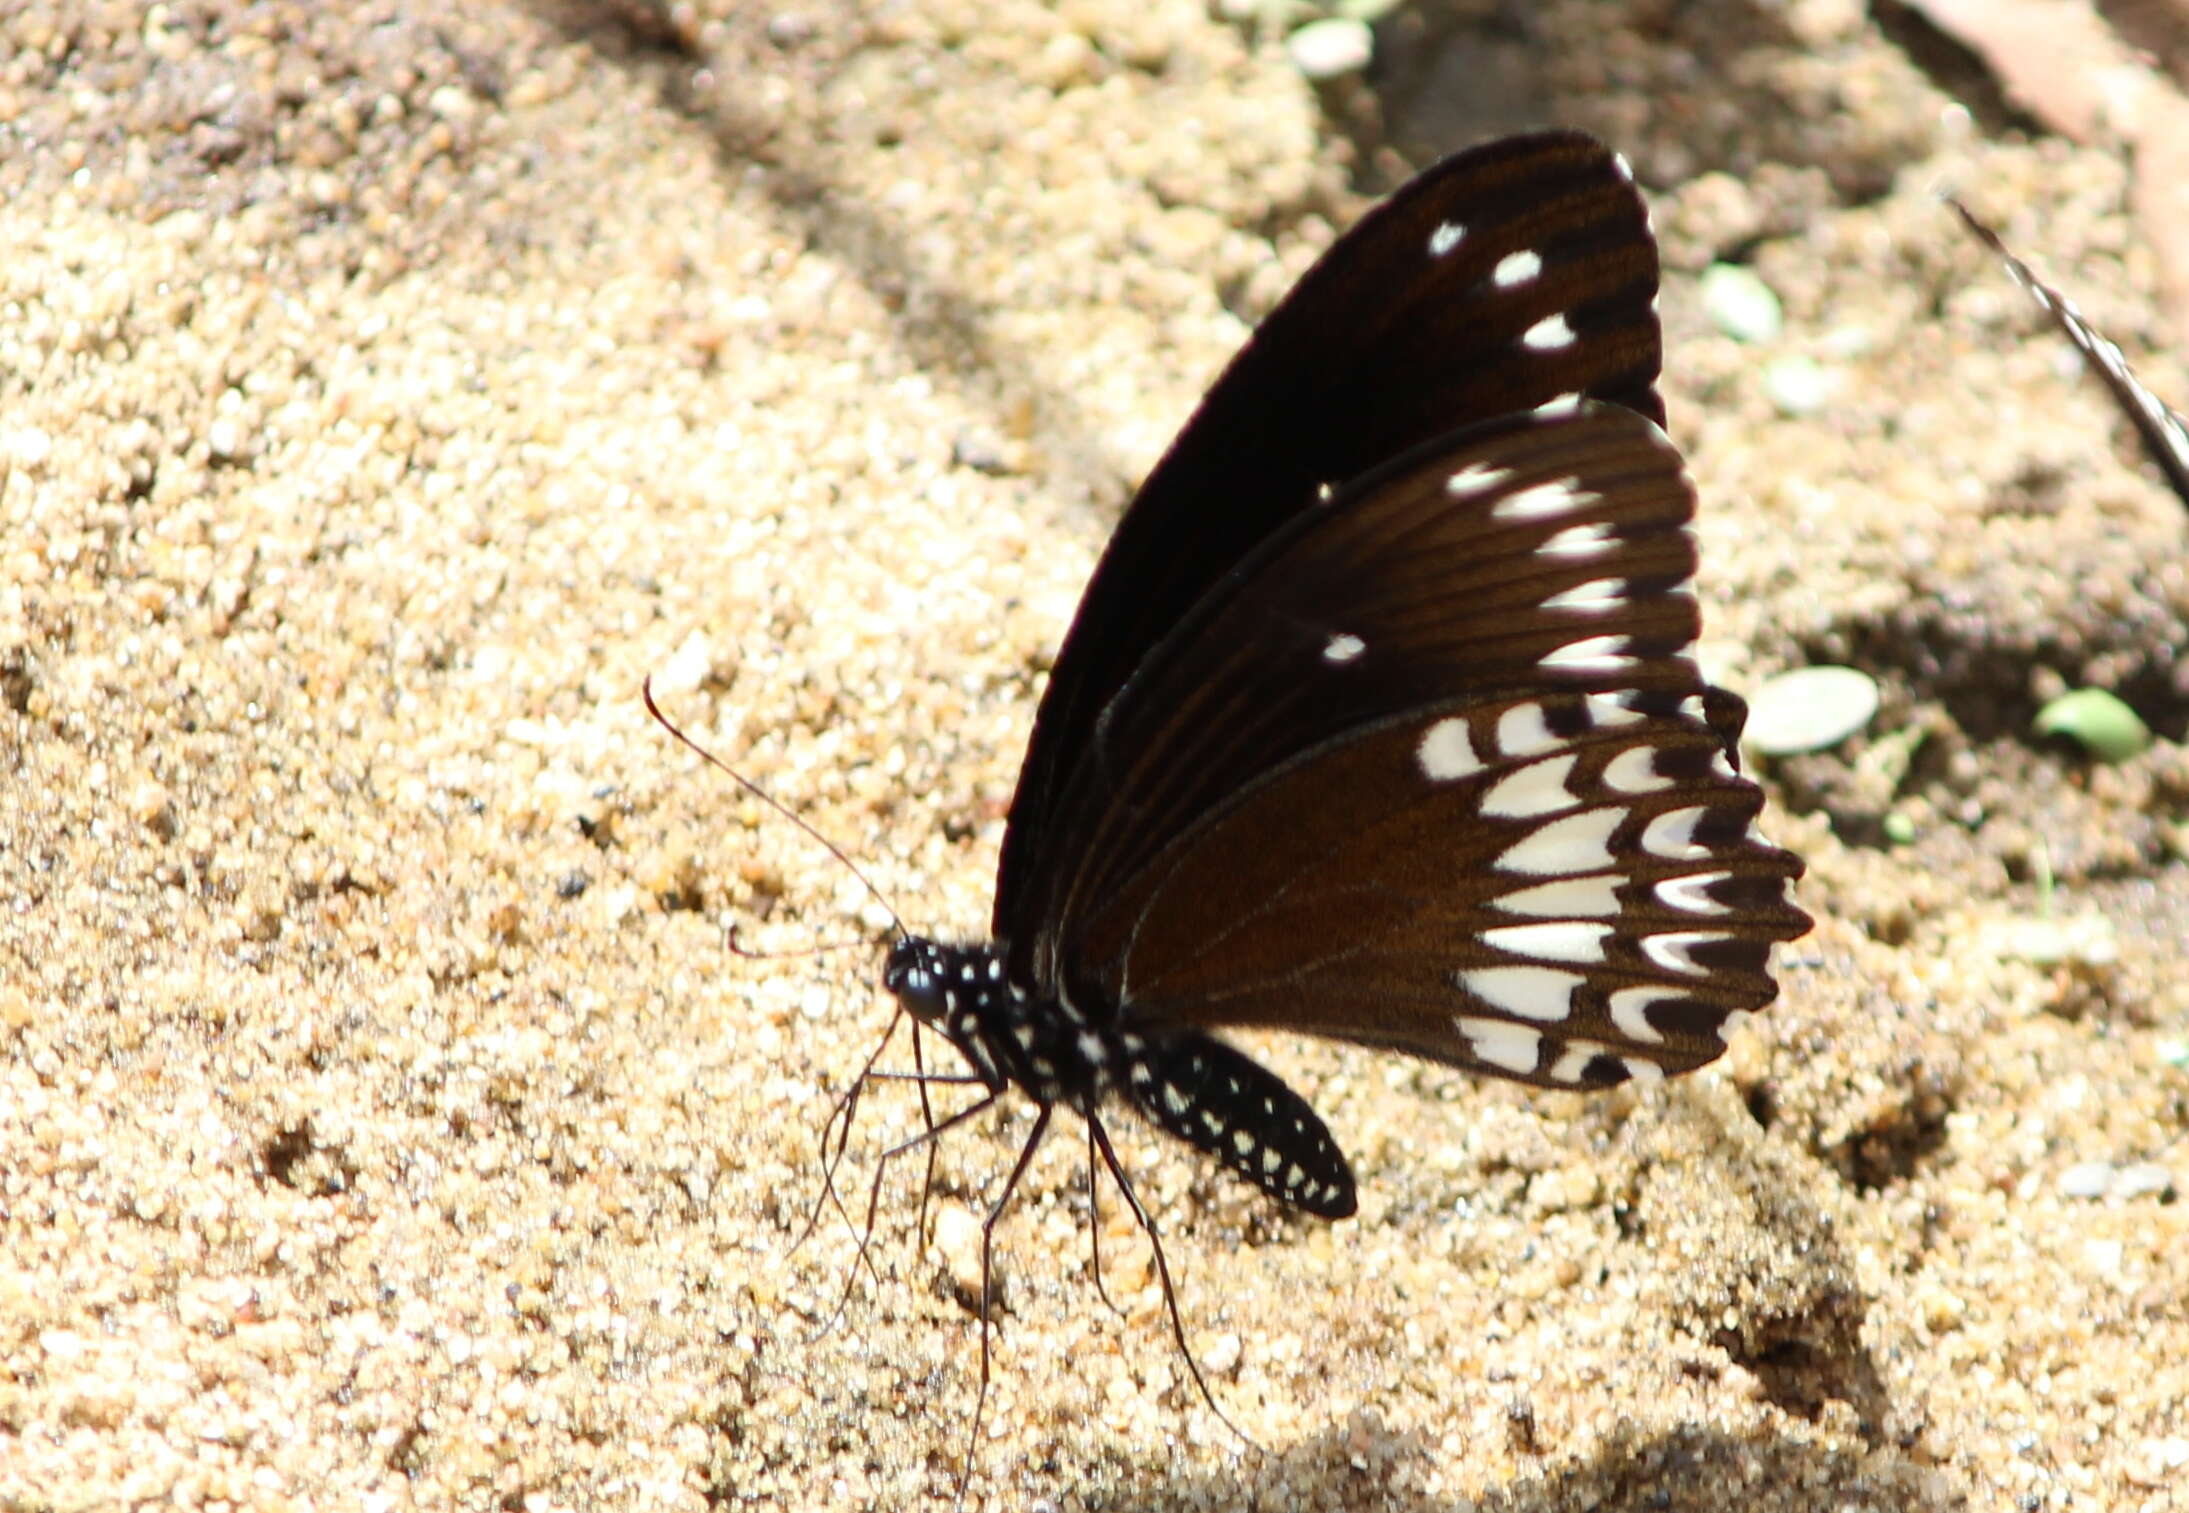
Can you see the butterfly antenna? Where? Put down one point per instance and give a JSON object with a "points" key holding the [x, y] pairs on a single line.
{"points": [[646, 690], [743, 952]]}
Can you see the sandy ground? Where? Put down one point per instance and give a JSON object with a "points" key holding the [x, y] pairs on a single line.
{"points": [[385, 389]]}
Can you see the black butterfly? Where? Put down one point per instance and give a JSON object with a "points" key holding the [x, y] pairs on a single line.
{"points": [[2161, 430], [1378, 720]]}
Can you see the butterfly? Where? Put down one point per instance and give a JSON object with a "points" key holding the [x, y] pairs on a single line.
{"points": [[1379, 719], [2161, 430]]}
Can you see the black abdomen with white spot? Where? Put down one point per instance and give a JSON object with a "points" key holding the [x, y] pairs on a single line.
{"points": [[1211, 1096], [1197, 1088]]}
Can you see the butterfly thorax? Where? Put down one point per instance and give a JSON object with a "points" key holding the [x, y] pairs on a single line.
{"points": [[1192, 1085], [1012, 1037]]}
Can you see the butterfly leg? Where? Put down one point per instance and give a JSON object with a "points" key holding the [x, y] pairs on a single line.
{"points": [[926, 1137], [845, 1108], [987, 1250], [1094, 1218], [927, 1117], [1101, 1139]]}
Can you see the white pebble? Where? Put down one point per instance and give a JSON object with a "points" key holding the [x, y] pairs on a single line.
{"points": [[1810, 709], [1330, 49], [1741, 304]]}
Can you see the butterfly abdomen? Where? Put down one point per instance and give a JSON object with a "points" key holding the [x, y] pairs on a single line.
{"points": [[1215, 1099]]}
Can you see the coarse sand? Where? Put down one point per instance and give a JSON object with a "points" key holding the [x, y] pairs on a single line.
{"points": [[386, 389]]}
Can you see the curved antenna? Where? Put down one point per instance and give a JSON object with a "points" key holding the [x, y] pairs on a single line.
{"points": [[646, 690]]}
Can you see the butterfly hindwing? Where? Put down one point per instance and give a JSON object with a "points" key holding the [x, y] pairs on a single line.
{"points": [[1503, 278]]}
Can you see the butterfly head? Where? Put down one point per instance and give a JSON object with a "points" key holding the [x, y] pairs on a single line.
{"points": [[917, 973], [960, 993]]}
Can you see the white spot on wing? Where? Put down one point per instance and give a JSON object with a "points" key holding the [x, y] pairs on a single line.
{"points": [[1541, 993], [1536, 789], [1567, 898], [1557, 940], [1595, 596], [1687, 893], [1630, 1012], [1562, 404], [1672, 835], [1574, 1060], [1343, 648], [1475, 478], [1578, 843], [1561, 496], [1675, 950], [1589, 654], [1510, 1046], [1446, 754], [1523, 731], [1591, 540], [1548, 334], [1516, 268], [1634, 770], [1447, 236], [1607, 710]]}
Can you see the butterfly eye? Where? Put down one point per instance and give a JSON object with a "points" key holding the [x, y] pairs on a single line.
{"points": [[913, 977]]}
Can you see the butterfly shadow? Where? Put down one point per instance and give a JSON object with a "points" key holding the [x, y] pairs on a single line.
{"points": [[944, 330], [1691, 1467]]}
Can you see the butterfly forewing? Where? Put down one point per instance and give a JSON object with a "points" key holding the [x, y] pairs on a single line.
{"points": [[1522, 848], [1503, 278], [1533, 552]]}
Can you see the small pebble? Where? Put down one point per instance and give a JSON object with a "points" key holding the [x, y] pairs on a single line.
{"points": [[226, 439], [686, 669], [1741, 304], [2046, 941], [2143, 1179], [1331, 49], [1799, 385], [1810, 709], [2164, 1457], [957, 1244], [2087, 1179]]}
